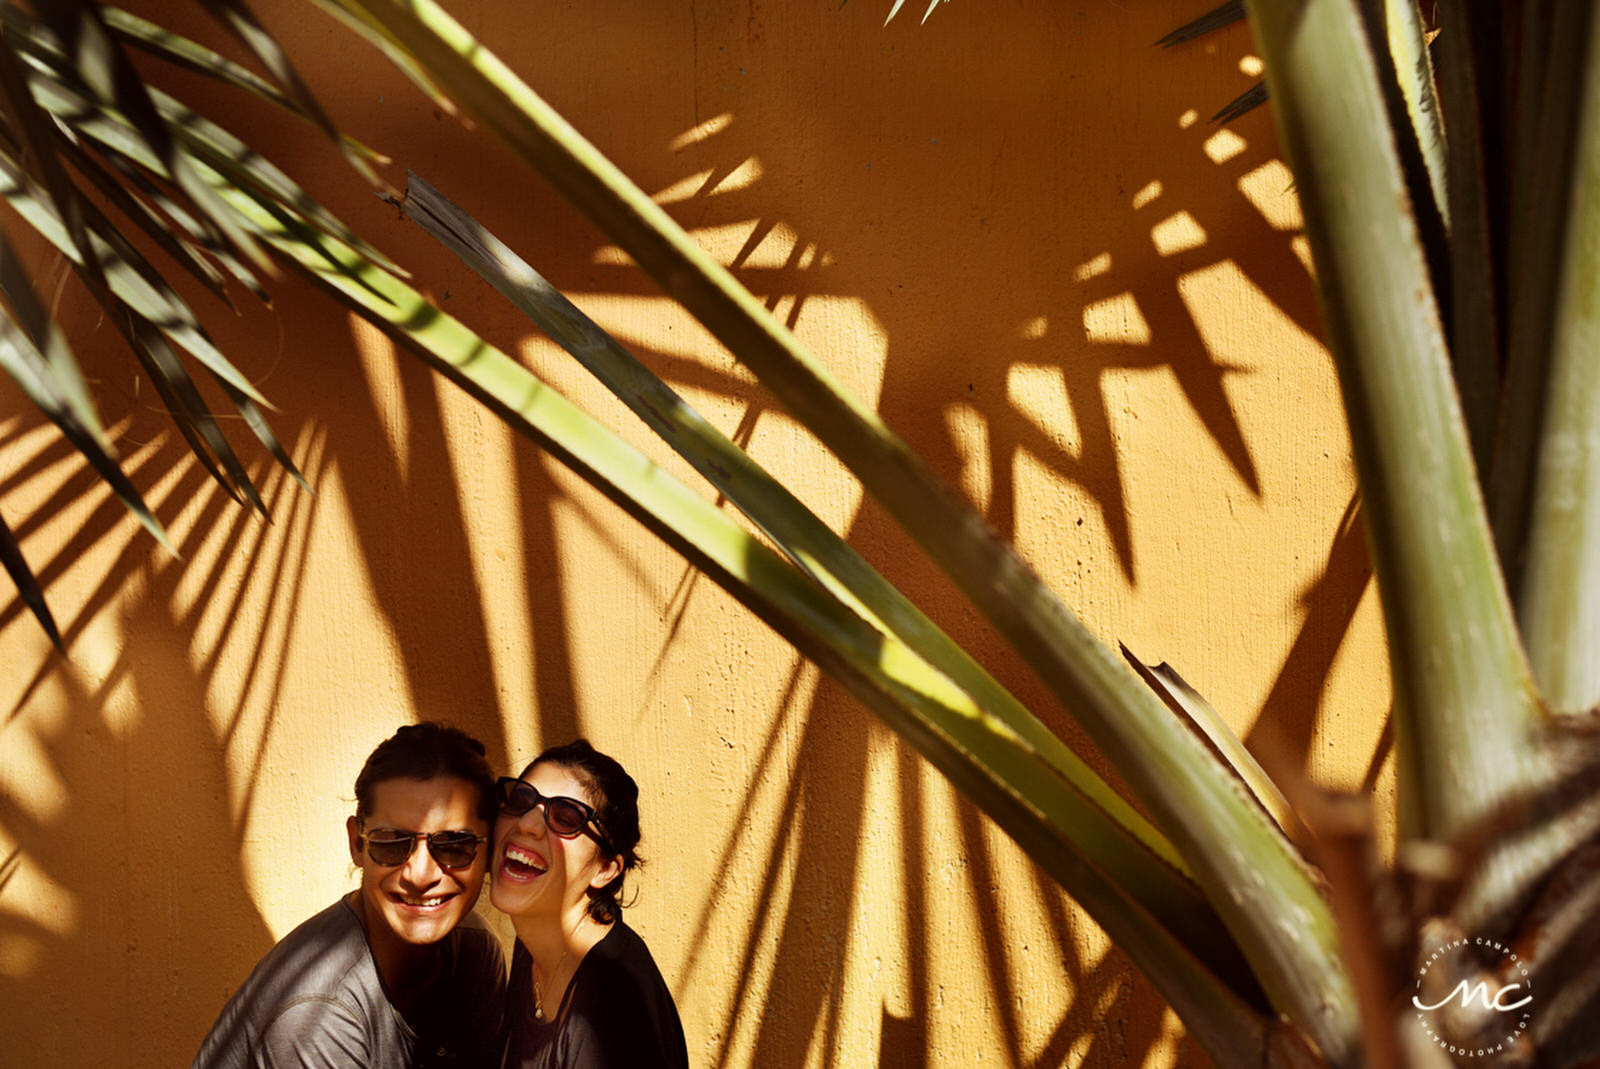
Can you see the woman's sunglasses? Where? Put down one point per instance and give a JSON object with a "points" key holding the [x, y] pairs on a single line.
{"points": [[451, 849], [564, 816]]}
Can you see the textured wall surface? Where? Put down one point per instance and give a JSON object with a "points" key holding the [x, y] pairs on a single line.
{"points": [[1013, 230]]}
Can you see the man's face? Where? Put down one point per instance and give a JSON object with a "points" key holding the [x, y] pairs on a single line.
{"points": [[418, 901]]}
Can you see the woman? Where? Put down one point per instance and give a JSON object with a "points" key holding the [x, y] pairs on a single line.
{"points": [[584, 991]]}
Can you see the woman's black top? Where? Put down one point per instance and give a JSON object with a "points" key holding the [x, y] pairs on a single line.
{"points": [[617, 1013]]}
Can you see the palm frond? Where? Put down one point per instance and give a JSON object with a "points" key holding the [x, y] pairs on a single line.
{"points": [[112, 82], [1226, 840], [241, 22], [1242, 104], [1215, 19]]}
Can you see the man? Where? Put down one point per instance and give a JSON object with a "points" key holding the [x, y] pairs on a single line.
{"points": [[398, 973]]}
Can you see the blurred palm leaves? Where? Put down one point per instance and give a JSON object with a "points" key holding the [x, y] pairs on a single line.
{"points": [[81, 129], [898, 4], [1216, 19], [1479, 761], [1432, 276]]}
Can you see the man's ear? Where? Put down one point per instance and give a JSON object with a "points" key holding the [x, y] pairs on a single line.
{"points": [[610, 868], [353, 828]]}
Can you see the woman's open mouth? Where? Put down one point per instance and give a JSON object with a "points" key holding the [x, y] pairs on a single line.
{"points": [[520, 864]]}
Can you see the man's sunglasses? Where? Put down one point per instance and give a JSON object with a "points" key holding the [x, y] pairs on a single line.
{"points": [[451, 849], [565, 816]]}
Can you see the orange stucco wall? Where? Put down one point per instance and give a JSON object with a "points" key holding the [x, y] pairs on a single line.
{"points": [[1011, 229]]}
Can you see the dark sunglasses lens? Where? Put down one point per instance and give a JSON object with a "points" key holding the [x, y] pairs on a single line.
{"points": [[389, 849], [515, 796], [565, 816], [453, 849]]}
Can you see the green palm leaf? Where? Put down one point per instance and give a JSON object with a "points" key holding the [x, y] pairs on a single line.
{"points": [[112, 82], [27, 584], [1059, 824], [1236, 855]]}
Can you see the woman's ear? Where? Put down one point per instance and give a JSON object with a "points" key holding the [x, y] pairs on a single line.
{"points": [[610, 868], [352, 828]]}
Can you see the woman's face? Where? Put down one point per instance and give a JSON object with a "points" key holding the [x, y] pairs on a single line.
{"points": [[533, 870]]}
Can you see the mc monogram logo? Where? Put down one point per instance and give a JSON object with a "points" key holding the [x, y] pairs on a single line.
{"points": [[1485, 1011]]}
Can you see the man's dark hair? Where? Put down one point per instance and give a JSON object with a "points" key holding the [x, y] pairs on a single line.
{"points": [[616, 810], [423, 751]]}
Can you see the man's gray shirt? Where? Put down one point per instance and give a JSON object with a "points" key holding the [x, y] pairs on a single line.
{"points": [[316, 1002]]}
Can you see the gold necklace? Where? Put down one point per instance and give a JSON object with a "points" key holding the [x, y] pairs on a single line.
{"points": [[538, 991]]}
